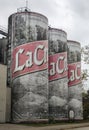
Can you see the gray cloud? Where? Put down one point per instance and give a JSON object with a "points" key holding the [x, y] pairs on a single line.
{"points": [[80, 7], [69, 15], [79, 11]]}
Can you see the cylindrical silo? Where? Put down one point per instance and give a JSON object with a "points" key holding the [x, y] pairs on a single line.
{"points": [[3, 50], [74, 80], [9, 65], [29, 64], [58, 79], [10, 37]]}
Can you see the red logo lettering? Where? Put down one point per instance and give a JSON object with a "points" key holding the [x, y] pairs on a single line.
{"points": [[74, 73], [57, 66], [29, 57]]}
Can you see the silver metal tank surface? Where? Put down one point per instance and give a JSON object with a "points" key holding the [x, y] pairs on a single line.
{"points": [[29, 66], [58, 79], [74, 80]]}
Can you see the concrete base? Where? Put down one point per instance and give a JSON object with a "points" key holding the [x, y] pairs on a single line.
{"points": [[5, 96]]}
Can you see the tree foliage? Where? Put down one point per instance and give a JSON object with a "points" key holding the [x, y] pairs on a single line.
{"points": [[85, 78], [86, 105]]}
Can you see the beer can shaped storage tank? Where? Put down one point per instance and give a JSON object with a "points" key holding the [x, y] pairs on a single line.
{"points": [[58, 80], [10, 37], [29, 64], [3, 50], [8, 65], [74, 80]]}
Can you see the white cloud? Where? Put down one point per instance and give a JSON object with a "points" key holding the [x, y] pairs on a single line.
{"points": [[57, 101], [75, 103]]}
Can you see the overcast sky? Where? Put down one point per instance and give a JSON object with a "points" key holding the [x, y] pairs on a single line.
{"points": [[70, 15]]}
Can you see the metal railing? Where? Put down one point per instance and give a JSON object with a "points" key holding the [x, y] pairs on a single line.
{"points": [[23, 9], [3, 31]]}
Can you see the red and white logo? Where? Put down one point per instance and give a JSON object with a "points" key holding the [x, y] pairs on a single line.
{"points": [[57, 66], [29, 58], [74, 73]]}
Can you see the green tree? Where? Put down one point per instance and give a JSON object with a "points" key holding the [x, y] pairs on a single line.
{"points": [[86, 105]]}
